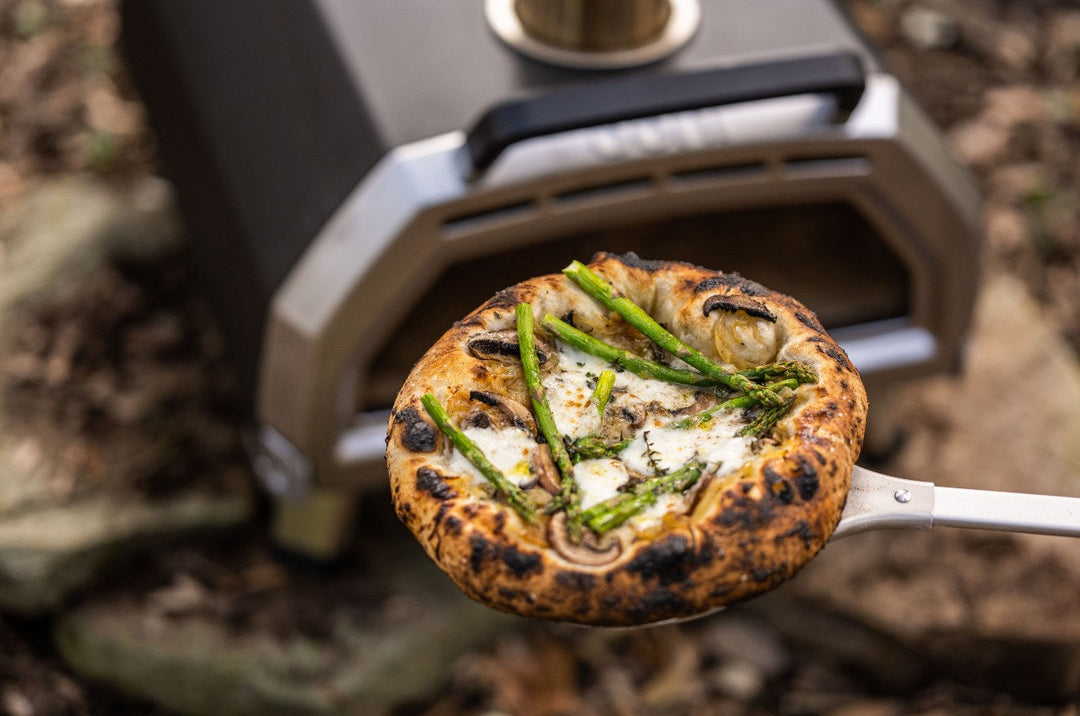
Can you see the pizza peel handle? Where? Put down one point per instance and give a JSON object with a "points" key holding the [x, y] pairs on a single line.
{"points": [[877, 501]]}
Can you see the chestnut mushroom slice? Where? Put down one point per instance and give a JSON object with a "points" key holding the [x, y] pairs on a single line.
{"points": [[589, 551], [547, 475], [630, 411], [512, 411], [734, 302], [476, 419], [503, 346]]}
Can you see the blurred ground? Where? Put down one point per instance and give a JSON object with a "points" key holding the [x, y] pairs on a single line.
{"points": [[114, 404]]}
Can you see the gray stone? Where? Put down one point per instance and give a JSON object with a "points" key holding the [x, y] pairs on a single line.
{"points": [[48, 551], [196, 664], [65, 228], [69, 506]]}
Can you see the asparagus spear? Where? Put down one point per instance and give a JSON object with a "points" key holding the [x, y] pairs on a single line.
{"points": [[602, 391], [741, 401], [591, 447], [623, 359], [569, 496], [609, 514], [765, 421], [783, 369], [513, 494], [606, 294]]}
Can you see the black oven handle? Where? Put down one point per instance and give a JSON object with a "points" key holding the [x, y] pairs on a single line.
{"points": [[637, 96]]}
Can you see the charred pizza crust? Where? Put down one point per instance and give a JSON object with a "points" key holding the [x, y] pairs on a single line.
{"points": [[743, 535]]}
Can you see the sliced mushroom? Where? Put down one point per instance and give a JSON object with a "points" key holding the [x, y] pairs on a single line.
{"points": [[589, 552], [633, 413], [503, 346], [547, 475], [622, 417], [733, 303], [703, 400], [512, 411], [476, 419]]}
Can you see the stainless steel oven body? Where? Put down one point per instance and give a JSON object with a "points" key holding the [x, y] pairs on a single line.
{"points": [[393, 164]]}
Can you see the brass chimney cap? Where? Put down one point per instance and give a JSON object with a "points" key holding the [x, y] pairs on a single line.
{"points": [[594, 34]]}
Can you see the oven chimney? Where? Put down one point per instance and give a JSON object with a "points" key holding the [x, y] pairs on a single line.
{"points": [[595, 34], [594, 25]]}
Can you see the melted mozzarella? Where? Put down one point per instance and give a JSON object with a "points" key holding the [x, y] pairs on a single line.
{"points": [[599, 480], [569, 391], [508, 450], [666, 449]]}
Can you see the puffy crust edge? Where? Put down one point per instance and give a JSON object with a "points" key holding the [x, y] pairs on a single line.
{"points": [[745, 535]]}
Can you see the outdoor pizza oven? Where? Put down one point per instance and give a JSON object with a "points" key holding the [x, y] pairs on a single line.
{"points": [[357, 175]]}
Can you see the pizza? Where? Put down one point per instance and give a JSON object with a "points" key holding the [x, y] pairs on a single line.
{"points": [[626, 442]]}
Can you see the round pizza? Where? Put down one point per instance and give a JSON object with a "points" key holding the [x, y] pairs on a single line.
{"points": [[626, 442]]}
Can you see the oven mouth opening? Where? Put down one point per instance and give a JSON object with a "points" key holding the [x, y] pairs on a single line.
{"points": [[827, 255]]}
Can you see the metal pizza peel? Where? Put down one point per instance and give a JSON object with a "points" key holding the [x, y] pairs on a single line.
{"points": [[877, 501]]}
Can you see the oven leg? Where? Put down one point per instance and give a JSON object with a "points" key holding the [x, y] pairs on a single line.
{"points": [[316, 525]]}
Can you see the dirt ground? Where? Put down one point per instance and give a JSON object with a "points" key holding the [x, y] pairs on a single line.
{"points": [[1001, 79]]}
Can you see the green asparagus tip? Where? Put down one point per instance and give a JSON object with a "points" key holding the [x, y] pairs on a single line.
{"points": [[602, 393]]}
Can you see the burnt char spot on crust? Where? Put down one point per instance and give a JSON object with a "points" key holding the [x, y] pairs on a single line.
{"points": [[732, 280], [634, 261], [824, 413], [662, 603], [506, 299], [838, 356], [478, 551], [417, 435], [807, 481], [762, 575], [747, 513], [668, 560], [778, 487], [707, 550], [509, 596], [470, 321], [576, 580], [432, 482], [453, 525], [809, 321], [441, 514], [734, 303], [518, 563], [521, 563], [801, 530]]}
